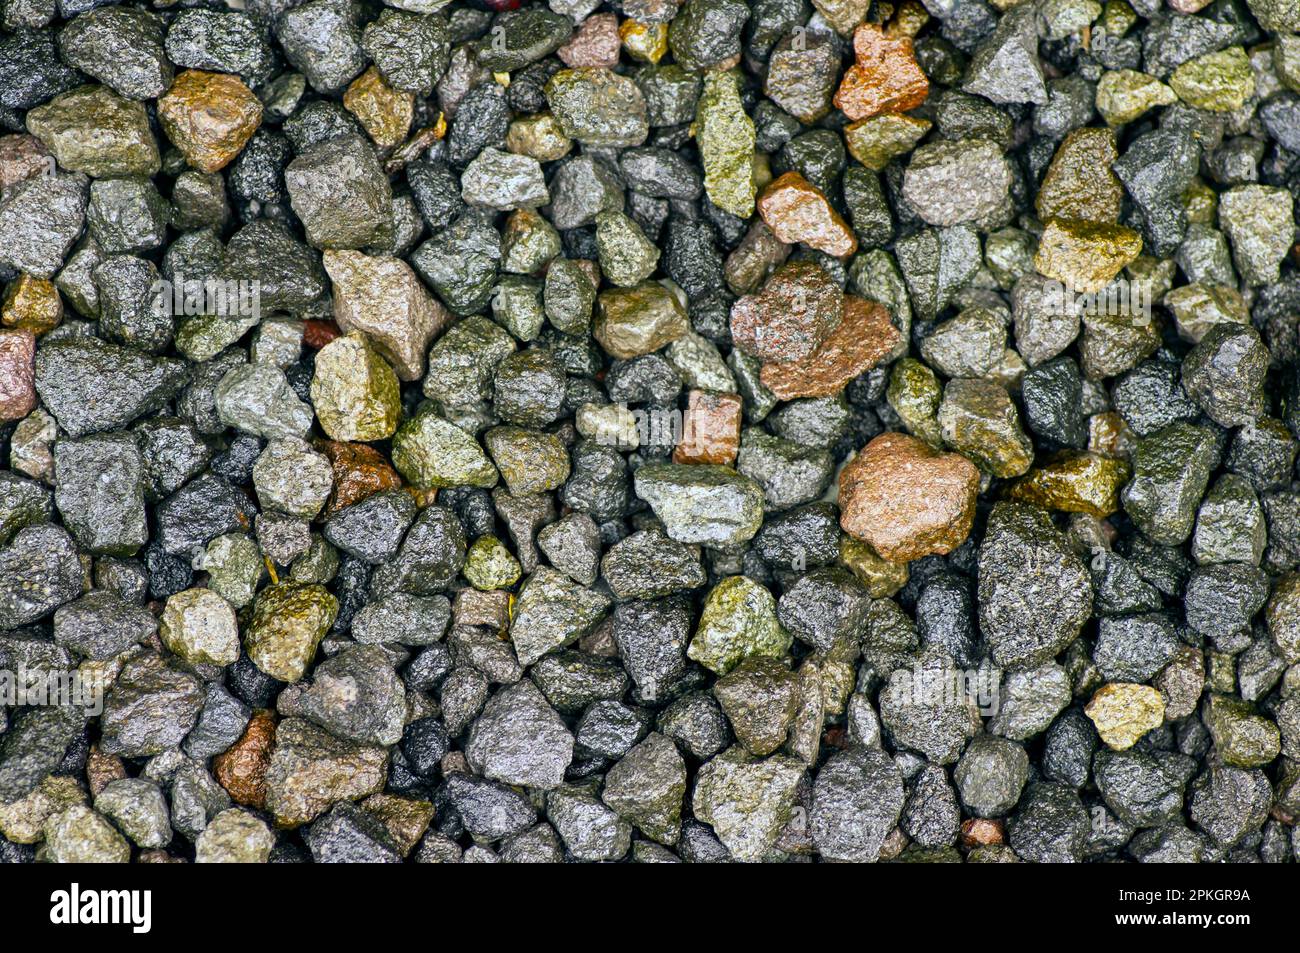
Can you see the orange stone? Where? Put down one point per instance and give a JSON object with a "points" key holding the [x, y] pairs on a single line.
{"points": [[886, 77], [710, 429], [317, 333], [209, 117], [241, 769], [906, 499], [360, 471], [17, 374], [982, 832], [797, 211], [863, 339]]}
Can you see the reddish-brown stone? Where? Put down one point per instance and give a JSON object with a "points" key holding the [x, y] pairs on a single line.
{"points": [[316, 333], [886, 77], [594, 43], [241, 769], [17, 374], [863, 339], [797, 211], [798, 308], [906, 499], [982, 832], [21, 157], [475, 607], [359, 471], [710, 429], [102, 769]]}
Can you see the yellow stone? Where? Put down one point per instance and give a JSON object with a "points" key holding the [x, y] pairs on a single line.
{"points": [[209, 117], [1123, 712], [878, 575], [878, 139], [645, 42], [909, 19], [384, 112], [1085, 256], [1074, 481], [32, 304], [538, 136]]}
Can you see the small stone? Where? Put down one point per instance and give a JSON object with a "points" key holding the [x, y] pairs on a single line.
{"points": [[199, 626], [598, 107], [310, 770], [82, 836], [738, 621], [1023, 557], [383, 298], [708, 504], [748, 801], [1123, 712], [91, 129], [384, 112], [726, 139], [234, 837], [288, 622], [209, 117], [796, 211], [1219, 82], [354, 391], [884, 78], [1085, 256], [635, 321], [933, 515]]}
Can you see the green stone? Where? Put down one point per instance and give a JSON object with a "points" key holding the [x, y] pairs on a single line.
{"points": [[234, 567], [598, 107], [530, 461], [879, 139], [915, 394], [979, 420], [431, 452], [1241, 737], [489, 565], [1171, 469], [568, 296], [1259, 220], [627, 257], [1230, 524], [517, 306], [355, 392], [1075, 481], [463, 362], [725, 136], [1079, 182], [738, 621], [1124, 95], [1218, 82], [288, 622], [708, 504], [93, 130]]}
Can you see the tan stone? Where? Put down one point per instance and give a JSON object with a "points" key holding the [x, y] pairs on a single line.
{"points": [[797, 211], [384, 112], [710, 429]]}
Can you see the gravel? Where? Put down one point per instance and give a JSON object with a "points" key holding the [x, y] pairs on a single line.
{"points": [[651, 431]]}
